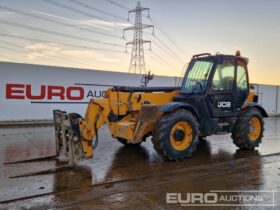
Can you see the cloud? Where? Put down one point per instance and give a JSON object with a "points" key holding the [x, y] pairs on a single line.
{"points": [[71, 21], [82, 53], [51, 15], [109, 60], [40, 50], [46, 50], [6, 14], [88, 54], [107, 24], [43, 47], [224, 47]]}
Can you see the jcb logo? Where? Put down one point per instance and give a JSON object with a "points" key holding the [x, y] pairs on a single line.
{"points": [[224, 104]]}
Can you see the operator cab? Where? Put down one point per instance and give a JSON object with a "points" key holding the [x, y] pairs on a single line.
{"points": [[214, 99], [222, 79], [217, 86]]}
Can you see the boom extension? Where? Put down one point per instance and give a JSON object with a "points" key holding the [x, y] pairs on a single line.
{"points": [[129, 113]]}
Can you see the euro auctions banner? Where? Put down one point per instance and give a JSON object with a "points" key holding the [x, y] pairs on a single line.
{"points": [[29, 92]]}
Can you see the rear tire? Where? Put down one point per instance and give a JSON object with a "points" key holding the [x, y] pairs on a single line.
{"points": [[176, 135], [248, 129]]}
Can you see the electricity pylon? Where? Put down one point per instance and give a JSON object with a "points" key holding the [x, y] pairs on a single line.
{"points": [[137, 60]]}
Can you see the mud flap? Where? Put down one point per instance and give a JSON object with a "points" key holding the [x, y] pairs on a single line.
{"points": [[67, 135]]}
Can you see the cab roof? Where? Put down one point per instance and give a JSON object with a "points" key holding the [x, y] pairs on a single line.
{"points": [[220, 56]]}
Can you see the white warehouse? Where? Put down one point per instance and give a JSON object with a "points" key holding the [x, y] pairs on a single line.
{"points": [[31, 92]]}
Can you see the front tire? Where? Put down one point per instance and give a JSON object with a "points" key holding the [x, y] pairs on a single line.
{"points": [[248, 130], [176, 135]]}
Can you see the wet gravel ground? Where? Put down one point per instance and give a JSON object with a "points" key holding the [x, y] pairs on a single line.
{"points": [[121, 177]]}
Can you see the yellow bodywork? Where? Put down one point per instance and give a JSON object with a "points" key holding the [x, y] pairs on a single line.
{"points": [[250, 97], [136, 113]]}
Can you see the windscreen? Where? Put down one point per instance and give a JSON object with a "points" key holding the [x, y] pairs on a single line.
{"points": [[197, 76]]}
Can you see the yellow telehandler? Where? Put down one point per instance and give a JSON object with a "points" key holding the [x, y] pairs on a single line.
{"points": [[214, 98]]}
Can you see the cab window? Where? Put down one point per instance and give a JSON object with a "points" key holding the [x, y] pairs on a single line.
{"points": [[241, 78], [241, 85], [223, 79], [197, 76]]}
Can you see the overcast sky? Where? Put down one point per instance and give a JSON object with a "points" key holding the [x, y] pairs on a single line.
{"points": [[90, 35]]}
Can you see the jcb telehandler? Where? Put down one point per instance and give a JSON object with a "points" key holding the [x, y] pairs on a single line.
{"points": [[214, 98]]}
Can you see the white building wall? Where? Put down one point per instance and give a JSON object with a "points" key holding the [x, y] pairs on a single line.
{"points": [[267, 97], [38, 76]]}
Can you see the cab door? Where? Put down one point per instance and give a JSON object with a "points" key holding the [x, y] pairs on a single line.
{"points": [[221, 94], [242, 84]]}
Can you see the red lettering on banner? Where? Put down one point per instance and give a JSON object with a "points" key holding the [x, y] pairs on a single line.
{"points": [[14, 91], [33, 97], [56, 91], [69, 95], [27, 91]]}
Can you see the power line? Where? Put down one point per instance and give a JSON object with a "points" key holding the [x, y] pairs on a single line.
{"points": [[52, 58], [73, 9], [118, 5], [11, 49], [165, 34], [167, 37], [154, 23], [71, 20], [60, 43], [159, 45], [156, 37], [56, 22], [10, 43], [59, 59], [166, 49], [69, 60], [157, 60], [56, 33], [160, 58], [171, 51], [96, 9]]}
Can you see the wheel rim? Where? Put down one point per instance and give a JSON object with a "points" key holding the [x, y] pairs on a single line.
{"points": [[181, 135], [254, 128]]}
